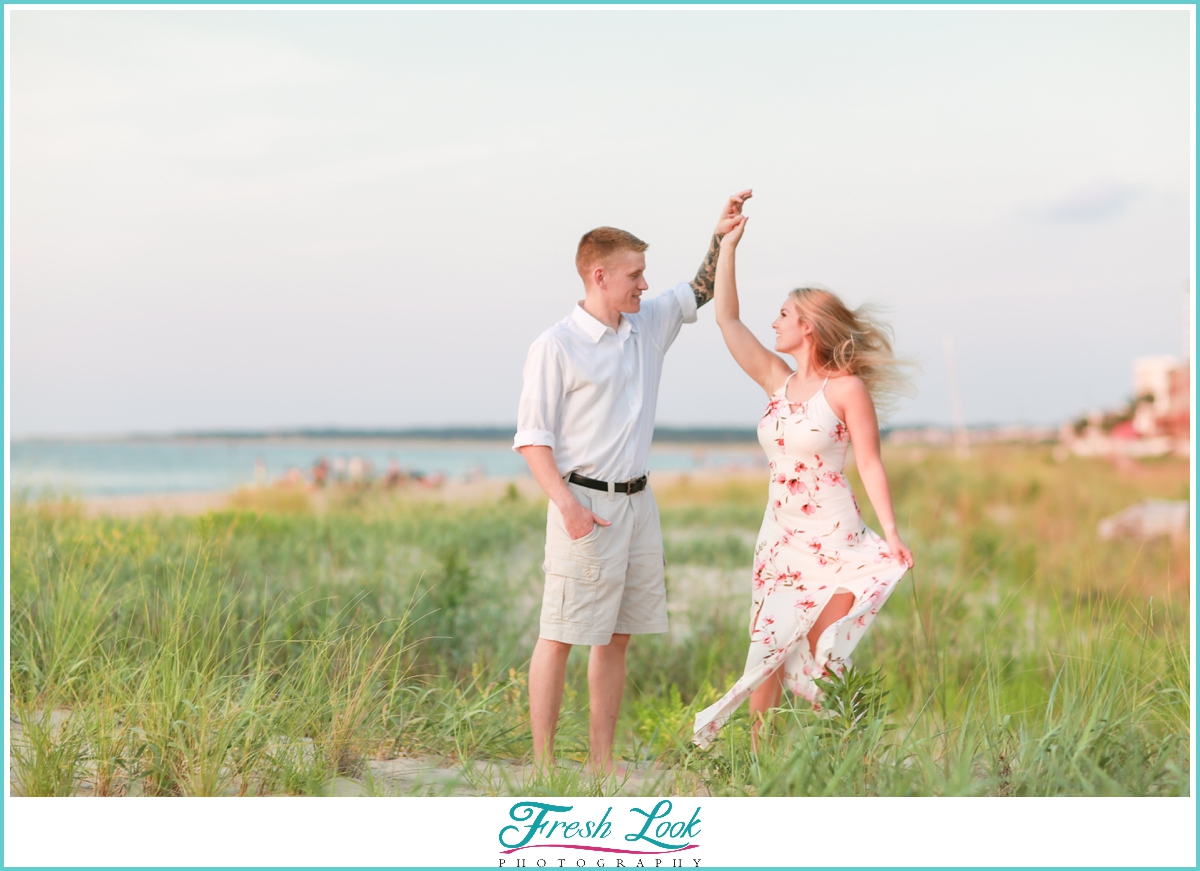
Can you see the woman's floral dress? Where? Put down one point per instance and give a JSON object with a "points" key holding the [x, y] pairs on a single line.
{"points": [[812, 544]]}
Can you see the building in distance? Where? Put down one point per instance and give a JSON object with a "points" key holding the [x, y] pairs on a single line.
{"points": [[1155, 423]]}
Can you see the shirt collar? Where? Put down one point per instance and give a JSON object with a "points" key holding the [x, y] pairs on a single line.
{"points": [[593, 329]]}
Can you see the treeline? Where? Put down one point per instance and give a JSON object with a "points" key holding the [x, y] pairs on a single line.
{"points": [[732, 435]]}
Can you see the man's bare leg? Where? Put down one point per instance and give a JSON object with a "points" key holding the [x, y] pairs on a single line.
{"points": [[547, 674], [606, 684]]}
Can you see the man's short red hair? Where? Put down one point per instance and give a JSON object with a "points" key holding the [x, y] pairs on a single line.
{"points": [[598, 245]]}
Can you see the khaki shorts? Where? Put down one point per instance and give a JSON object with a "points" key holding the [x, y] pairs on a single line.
{"points": [[611, 580]]}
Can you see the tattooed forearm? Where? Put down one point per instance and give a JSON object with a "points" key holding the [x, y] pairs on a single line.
{"points": [[704, 284]]}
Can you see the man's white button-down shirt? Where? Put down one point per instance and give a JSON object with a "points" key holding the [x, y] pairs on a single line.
{"points": [[590, 391]]}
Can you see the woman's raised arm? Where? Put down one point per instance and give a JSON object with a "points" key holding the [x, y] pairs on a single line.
{"points": [[764, 367]]}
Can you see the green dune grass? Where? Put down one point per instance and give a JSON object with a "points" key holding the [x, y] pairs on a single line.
{"points": [[274, 647]]}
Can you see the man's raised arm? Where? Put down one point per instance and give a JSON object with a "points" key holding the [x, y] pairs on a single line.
{"points": [[704, 284]]}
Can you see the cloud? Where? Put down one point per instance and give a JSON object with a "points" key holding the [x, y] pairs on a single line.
{"points": [[1095, 203]]}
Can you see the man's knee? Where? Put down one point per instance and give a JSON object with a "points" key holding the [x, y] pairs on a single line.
{"points": [[554, 649], [619, 642]]}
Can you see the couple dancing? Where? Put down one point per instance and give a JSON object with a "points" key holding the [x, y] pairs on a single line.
{"points": [[585, 423]]}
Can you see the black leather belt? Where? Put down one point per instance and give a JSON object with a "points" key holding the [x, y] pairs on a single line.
{"points": [[637, 485]]}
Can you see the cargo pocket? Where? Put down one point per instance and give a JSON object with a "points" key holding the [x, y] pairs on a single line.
{"points": [[571, 585]]}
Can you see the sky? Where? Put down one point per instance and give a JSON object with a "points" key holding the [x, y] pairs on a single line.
{"points": [[240, 219]]}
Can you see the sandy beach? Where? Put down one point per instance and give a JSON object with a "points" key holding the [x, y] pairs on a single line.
{"points": [[481, 489], [155, 503], [139, 504]]}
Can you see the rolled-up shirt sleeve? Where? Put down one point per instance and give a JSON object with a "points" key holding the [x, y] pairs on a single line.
{"points": [[687, 301], [671, 310], [541, 396]]}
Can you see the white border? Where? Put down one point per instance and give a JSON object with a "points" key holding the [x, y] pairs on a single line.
{"points": [[7, 404], [735, 832], [462, 831]]}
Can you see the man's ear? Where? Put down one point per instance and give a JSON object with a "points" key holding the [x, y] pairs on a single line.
{"points": [[598, 275]]}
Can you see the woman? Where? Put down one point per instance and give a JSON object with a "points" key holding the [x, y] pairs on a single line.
{"points": [[820, 576]]}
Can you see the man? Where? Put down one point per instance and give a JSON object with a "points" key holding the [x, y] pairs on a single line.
{"points": [[585, 423]]}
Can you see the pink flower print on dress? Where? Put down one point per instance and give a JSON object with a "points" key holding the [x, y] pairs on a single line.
{"points": [[806, 603], [808, 508], [817, 457], [800, 467], [789, 575], [834, 478], [850, 537], [814, 544], [779, 441], [839, 433], [781, 478], [772, 408], [795, 485]]}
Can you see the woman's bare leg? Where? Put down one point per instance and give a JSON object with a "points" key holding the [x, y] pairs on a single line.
{"points": [[839, 606], [765, 697]]}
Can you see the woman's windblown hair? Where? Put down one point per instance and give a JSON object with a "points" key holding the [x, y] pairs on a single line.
{"points": [[854, 342]]}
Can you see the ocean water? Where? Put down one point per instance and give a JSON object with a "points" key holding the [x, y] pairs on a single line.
{"points": [[126, 467]]}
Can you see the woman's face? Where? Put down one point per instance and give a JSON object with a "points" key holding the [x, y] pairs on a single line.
{"points": [[790, 332]]}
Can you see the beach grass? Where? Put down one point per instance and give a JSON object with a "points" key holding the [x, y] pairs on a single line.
{"points": [[285, 647]]}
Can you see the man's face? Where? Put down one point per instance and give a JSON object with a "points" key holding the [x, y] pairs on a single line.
{"points": [[623, 281]]}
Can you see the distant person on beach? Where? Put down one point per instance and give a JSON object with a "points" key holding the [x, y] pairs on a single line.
{"points": [[584, 423], [820, 575], [321, 472]]}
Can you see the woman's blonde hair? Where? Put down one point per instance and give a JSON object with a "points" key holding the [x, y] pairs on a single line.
{"points": [[854, 342]]}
